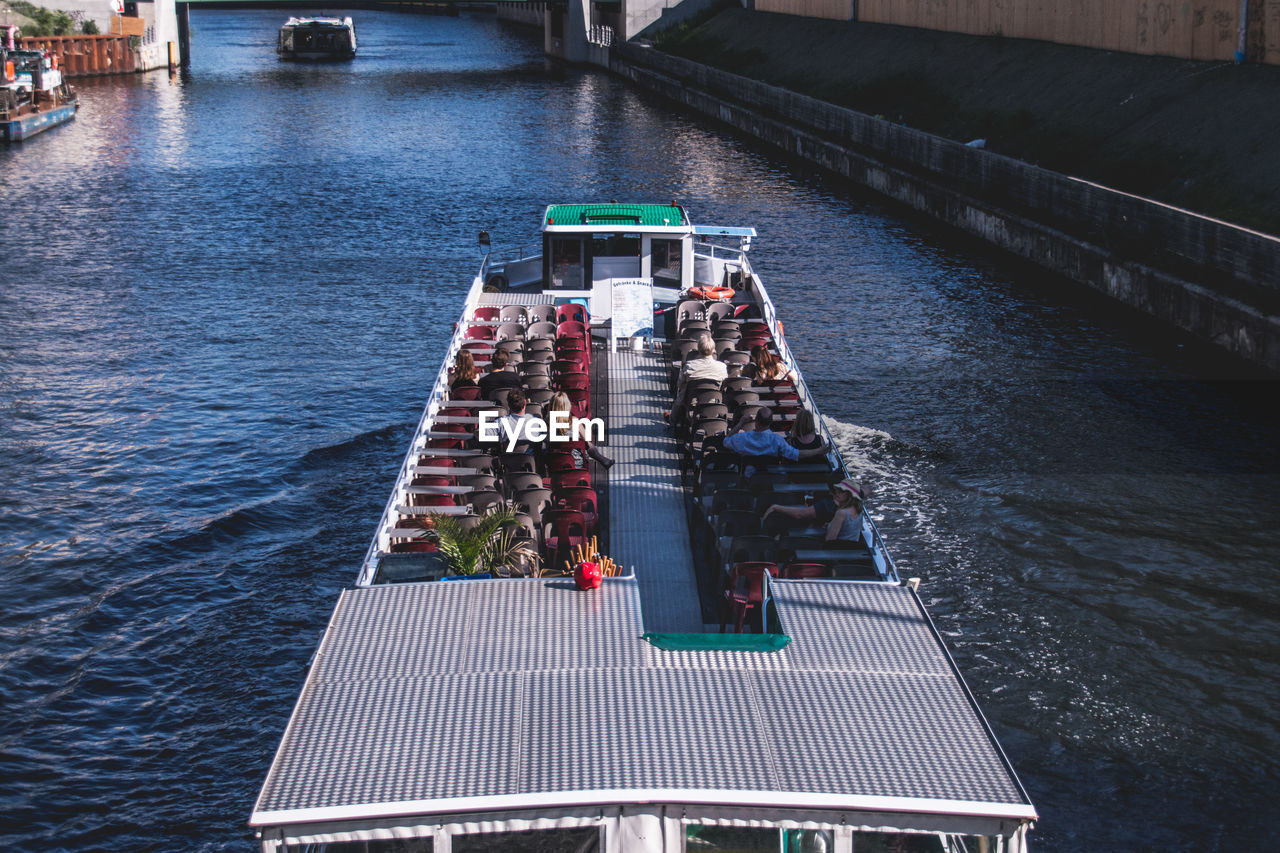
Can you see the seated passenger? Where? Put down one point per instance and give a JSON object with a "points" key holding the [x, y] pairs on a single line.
{"points": [[845, 527], [560, 403], [514, 424], [501, 375], [765, 367], [705, 366], [762, 440], [804, 432], [779, 518], [463, 373]]}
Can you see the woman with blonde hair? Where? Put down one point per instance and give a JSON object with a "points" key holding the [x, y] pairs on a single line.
{"points": [[560, 402], [804, 432]]}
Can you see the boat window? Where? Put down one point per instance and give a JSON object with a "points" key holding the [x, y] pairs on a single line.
{"points": [[757, 839], [665, 260], [391, 845], [615, 246], [566, 263], [896, 842], [579, 839]]}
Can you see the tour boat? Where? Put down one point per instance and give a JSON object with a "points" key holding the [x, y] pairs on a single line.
{"points": [[725, 687], [317, 39], [34, 96]]}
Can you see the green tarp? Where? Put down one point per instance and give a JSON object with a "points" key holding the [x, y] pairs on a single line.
{"points": [[719, 642]]}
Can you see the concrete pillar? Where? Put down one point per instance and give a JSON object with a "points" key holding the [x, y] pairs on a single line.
{"points": [[183, 13]]}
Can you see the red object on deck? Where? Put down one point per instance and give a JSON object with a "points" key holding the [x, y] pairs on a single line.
{"points": [[588, 576]]}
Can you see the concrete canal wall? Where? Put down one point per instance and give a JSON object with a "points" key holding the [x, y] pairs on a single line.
{"points": [[1213, 279]]}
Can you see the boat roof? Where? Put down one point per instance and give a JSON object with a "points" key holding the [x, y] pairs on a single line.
{"points": [[528, 693], [318, 22], [595, 217]]}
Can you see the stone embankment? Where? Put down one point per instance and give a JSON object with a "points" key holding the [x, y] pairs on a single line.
{"points": [[1218, 281]]}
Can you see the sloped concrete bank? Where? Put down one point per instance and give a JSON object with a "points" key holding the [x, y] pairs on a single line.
{"points": [[1213, 279]]}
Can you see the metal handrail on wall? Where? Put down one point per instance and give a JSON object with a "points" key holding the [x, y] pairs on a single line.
{"points": [[600, 34]]}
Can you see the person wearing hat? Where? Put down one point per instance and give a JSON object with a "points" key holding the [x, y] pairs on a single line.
{"points": [[778, 518], [845, 525]]}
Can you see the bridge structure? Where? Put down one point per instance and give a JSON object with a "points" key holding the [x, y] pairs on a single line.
{"points": [[577, 31]]}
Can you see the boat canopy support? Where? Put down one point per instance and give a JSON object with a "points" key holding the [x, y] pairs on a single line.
{"points": [[647, 828]]}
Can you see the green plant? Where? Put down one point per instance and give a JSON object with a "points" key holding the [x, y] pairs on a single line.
{"points": [[90, 28], [44, 22], [490, 546]]}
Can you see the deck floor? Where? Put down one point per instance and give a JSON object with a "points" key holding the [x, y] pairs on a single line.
{"points": [[648, 529]]}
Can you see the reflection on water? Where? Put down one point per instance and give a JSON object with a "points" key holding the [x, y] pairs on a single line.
{"points": [[225, 293]]}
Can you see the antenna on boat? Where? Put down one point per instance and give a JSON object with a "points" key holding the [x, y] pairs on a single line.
{"points": [[484, 238]]}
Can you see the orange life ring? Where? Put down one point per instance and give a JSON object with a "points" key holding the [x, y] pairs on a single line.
{"points": [[719, 294]]}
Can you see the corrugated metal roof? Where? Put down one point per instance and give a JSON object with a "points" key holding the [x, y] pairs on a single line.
{"points": [[511, 689], [640, 215]]}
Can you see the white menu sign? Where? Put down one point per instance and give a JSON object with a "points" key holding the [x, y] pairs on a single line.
{"points": [[632, 307]]}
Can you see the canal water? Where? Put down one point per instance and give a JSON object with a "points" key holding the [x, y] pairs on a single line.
{"points": [[224, 294]]}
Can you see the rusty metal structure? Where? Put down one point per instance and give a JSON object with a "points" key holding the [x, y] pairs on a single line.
{"points": [[87, 56]]}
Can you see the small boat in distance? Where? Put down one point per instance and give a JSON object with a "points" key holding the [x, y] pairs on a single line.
{"points": [[317, 39]]}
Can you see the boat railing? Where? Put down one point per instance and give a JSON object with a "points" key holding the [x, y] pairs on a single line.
{"points": [[879, 553], [523, 253], [439, 392]]}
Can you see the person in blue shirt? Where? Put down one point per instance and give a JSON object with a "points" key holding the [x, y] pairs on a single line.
{"points": [[763, 441]]}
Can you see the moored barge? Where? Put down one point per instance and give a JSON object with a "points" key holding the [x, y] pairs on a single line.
{"points": [[525, 713], [34, 96]]}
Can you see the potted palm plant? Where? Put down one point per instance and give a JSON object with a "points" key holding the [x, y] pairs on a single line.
{"points": [[489, 547]]}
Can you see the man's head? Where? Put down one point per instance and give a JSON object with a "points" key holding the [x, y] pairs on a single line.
{"points": [[499, 361], [764, 418], [515, 401], [706, 346]]}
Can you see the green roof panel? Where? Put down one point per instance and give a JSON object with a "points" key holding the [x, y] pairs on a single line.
{"points": [[646, 215]]}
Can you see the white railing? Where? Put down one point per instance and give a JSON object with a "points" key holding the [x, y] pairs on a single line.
{"points": [[599, 34], [439, 391], [879, 553]]}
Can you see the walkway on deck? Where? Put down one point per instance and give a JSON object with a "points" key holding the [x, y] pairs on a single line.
{"points": [[647, 525]]}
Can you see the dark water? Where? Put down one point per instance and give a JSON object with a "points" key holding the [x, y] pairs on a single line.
{"points": [[222, 298]]}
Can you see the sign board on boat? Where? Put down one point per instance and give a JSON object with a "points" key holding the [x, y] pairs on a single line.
{"points": [[632, 307]]}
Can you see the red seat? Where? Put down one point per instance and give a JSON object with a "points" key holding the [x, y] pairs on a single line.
{"points": [[433, 480], [746, 591], [412, 547], [437, 462], [446, 443], [571, 311], [584, 500], [558, 460], [431, 500], [465, 392], [562, 530], [479, 333], [487, 312], [800, 571], [573, 381], [571, 328], [579, 402], [568, 478]]}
